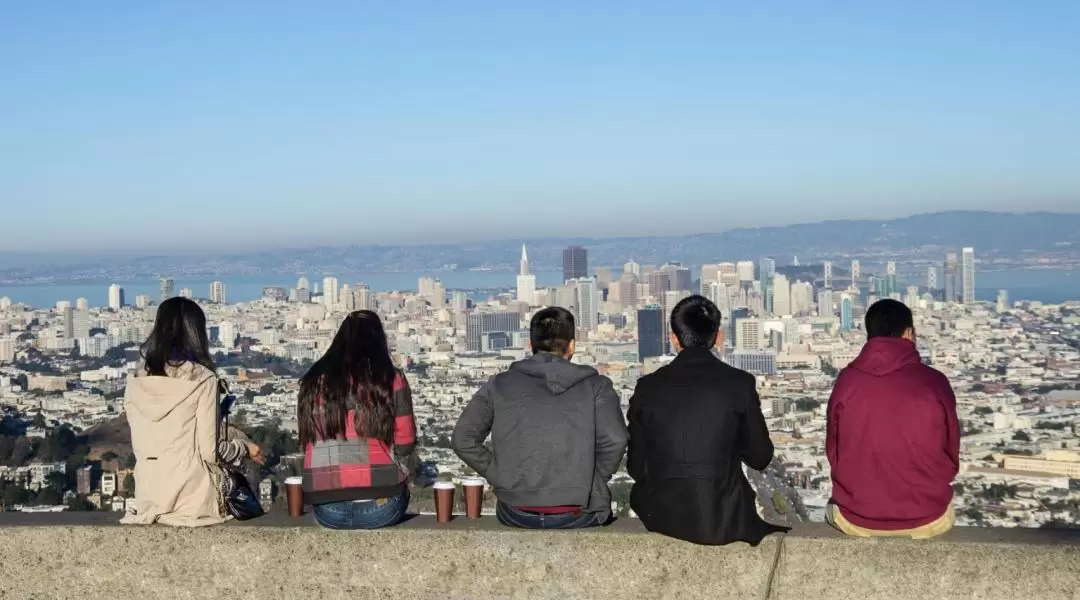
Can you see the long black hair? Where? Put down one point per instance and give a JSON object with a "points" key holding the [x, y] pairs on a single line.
{"points": [[357, 366], [179, 336]]}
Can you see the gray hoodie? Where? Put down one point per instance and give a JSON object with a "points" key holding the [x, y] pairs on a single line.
{"points": [[557, 434]]}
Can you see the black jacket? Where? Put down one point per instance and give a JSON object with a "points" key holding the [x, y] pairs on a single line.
{"points": [[692, 425]]}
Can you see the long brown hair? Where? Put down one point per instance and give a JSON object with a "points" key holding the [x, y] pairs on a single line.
{"points": [[355, 373], [179, 336]]}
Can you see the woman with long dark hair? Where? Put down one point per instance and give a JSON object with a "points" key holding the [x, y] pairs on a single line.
{"points": [[177, 434], [356, 424]]}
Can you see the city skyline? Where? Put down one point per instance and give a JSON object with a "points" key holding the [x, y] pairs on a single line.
{"points": [[376, 122]]}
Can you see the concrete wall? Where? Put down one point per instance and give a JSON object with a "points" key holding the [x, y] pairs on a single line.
{"points": [[89, 556]]}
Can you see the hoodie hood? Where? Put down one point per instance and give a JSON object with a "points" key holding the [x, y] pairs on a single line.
{"points": [[558, 374], [154, 397], [883, 355]]}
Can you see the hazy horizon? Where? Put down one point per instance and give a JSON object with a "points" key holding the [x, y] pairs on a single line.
{"points": [[154, 128]]}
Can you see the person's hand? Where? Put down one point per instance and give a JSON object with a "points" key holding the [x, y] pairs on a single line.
{"points": [[255, 453]]}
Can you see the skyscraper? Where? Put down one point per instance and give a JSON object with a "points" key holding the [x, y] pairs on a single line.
{"points": [[167, 288], [478, 324], [217, 292], [737, 315], [911, 297], [671, 298], [802, 294], [632, 268], [587, 304], [766, 271], [7, 350], [116, 297], [575, 263], [890, 278], [82, 304], [855, 272], [438, 295], [459, 301], [679, 277], [744, 270], [825, 303], [69, 322], [1002, 300], [729, 274], [650, 332], [950, 277], [526, 282], [845, 312], [826, 269], [627, 287], [330, 292], [931, 279], [659, 282], [967, 273], [749, 335], [781, 295], [347, 298]]}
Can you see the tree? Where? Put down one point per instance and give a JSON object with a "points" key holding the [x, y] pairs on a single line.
{"points": [[22, 451], [129, 486], [1050, 425], [39, 421], [48, 497], [267, 389], [109, 456], [80, 504], [129, 462], [1021, 436], [12, 494], [57, 481], [984, 410]]}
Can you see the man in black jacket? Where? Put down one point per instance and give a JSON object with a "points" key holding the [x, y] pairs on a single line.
{"points": [[693, 423]]}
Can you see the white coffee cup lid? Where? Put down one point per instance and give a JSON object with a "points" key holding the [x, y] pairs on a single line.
{"points": [[473, 481], [444, 485], [294, 481]]}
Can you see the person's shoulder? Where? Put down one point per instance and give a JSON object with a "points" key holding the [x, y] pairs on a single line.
{"points": [[191, 371], [400, 380], [936, 379]]}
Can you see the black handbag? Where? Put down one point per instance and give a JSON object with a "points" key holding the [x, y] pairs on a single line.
{"points": [[242, 502]]}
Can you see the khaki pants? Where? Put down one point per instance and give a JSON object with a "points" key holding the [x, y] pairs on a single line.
{"points": [[932, 529]]}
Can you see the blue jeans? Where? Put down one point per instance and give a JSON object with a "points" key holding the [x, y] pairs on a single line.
{"points": [[512, 517], [374, 514]]}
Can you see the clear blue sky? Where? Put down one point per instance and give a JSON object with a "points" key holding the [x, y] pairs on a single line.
{"points": [[163, 125]]}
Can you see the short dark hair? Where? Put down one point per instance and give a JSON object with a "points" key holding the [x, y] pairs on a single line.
{"points": [[888, 318], [552, 330], [696, 322]]}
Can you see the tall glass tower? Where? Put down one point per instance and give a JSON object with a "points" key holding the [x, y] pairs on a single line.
{"points": [[967, 276]]}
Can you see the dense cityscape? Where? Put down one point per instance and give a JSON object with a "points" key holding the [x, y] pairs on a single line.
{"points": [[1013, 364]]}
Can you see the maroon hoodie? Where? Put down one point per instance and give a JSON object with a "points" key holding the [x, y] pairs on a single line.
{"points": [[893, 439]]}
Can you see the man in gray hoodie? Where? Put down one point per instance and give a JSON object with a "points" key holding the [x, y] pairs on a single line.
{"points": [[557, 434]]}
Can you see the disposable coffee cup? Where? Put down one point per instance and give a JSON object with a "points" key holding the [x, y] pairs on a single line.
{"points": [[444, 501], [294, 492], [474, 496]]}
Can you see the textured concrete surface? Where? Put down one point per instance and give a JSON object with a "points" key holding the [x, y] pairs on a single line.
{"points": [[84, 556]]}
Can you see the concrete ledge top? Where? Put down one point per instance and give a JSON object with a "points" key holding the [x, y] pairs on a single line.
{"points": [[969, 535], [90, 555]]}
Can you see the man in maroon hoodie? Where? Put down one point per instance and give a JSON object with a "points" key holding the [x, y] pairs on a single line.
{"points": [[893, 440]]}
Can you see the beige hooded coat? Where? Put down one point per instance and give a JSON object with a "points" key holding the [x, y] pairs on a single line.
{"points": [[174, 428]]}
